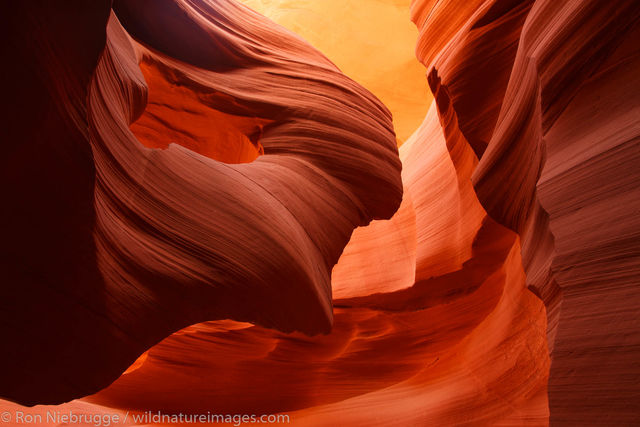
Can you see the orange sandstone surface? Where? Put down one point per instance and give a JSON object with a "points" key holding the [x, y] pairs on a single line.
{"points": [[212, 216]]}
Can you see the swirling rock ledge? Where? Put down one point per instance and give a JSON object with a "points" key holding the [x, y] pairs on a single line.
{"points": [[141, 241]]}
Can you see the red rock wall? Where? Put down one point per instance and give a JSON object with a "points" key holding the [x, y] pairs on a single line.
{"points": [[558, 170], [173, 237]]}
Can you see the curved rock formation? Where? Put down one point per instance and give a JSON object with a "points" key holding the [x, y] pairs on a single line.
{"points": [[562, 83], [173, 237], [437, 349]]}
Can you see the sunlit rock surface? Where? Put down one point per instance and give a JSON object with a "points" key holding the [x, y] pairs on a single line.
{"points": [[371, 41]]}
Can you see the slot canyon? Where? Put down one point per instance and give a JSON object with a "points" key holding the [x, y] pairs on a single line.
{"points": [[348, 212]]}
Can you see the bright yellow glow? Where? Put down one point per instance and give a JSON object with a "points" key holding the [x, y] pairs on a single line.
{"points": [[371, 41]]}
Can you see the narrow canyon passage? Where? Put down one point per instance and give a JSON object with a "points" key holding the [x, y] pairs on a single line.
{"points": [[418, 320], [389, 212]]}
